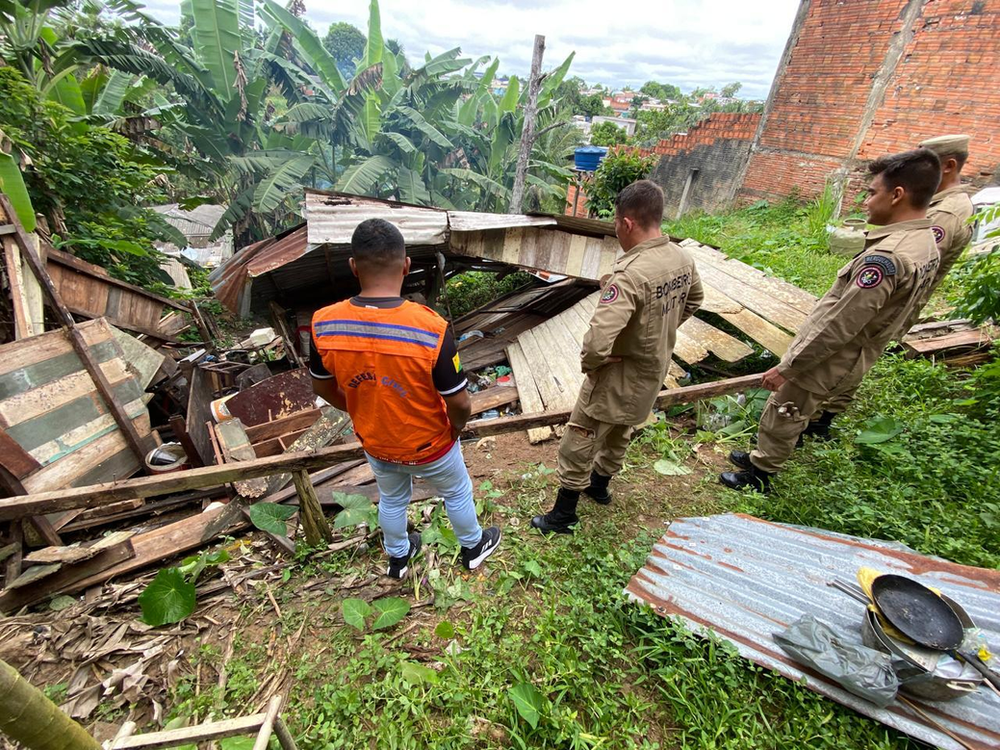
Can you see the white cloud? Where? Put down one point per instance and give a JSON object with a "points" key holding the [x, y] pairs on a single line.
{"points": [[689, 43]]}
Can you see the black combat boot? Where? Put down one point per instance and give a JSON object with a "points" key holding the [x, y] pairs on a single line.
{"points": [[562, 518], [598, 489], [753, 478], [820, 428], [741, 459]]}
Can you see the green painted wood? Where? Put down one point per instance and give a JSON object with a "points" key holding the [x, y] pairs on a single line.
{"points": [[38, 374], [121, 466], [52, 424]]}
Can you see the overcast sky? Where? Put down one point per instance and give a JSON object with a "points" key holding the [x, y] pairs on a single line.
{"points": [[689, 43]]}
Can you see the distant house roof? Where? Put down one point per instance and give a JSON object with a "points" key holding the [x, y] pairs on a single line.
{"points": [[197, 222]]}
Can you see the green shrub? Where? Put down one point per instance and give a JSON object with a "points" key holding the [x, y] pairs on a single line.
{"points": [[607, 134], [619, 169], [473, 289]]}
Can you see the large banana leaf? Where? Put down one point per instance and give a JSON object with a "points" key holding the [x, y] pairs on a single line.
{"points": [[511, 96], [362, 177], [404, 143], [446, 62], [259, 162], [239, 207], [65, 89], [425, 127], [553, 80], [112, 94], [467, 115], [12, 184], [274, 188], [217, 39], [491, 187], [391, 82], [370, 121], [412, 188], [308, 45], [92, 85], [374, 47]]}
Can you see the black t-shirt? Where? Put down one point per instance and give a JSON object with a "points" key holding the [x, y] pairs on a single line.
{"points": [[449, 378]]}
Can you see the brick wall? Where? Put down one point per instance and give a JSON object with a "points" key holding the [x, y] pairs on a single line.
{"points": [[581, 202], [711, 155], [869, 77]]}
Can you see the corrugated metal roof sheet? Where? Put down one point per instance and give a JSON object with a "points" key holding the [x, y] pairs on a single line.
{"points": [[333, 217], [471, 221], [745, 579]]}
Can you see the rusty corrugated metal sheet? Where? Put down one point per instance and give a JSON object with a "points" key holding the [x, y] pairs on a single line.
{"points": [[233, 280], [745, 579], [333, 217]]}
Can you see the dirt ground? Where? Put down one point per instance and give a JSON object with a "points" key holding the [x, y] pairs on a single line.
{"points": [[104, 665]]}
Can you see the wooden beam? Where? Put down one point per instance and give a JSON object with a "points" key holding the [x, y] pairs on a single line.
{"points": [[278, 318], [267, 726], [15, 539], [216, 730], [493, 398], [179, 427], [14, 458], [199, 321], [212, 476], [127, 325], [137, 443], [314, 524]]}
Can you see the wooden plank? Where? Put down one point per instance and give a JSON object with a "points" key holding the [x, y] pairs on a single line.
{"points": [[26, 352], [278, 317], [214, 476], [14, 458], [274, 398], [64, 434], [14, 538], [179, 427], [128, 325], [48, 555], [287, 441], [766, 334], [142, 361], [292, 423], [493, 398], [30, 577], [199, 413], [687, 348], [765, 305], [45, 398], [45, 530], [719, 343], [527, 390], [217, 730], [15, 279], [236, 448], [959, 339]]}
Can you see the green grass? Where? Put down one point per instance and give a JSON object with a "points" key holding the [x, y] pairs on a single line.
{"points": [[550, 613]]}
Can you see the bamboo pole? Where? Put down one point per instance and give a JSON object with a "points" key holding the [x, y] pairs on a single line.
{"points": [[528, 131], [30, 718]]}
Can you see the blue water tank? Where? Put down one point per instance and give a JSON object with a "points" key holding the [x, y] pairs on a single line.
{"points": [[588, 158]]}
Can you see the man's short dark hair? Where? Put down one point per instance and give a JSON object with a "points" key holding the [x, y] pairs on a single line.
{"points": [[376, 244], [960, 158], [918, 172], [642, 201]]}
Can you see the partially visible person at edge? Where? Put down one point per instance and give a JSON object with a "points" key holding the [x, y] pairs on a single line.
{"points": [[949, 213], [653, 288], [394, 367], [872, 299]]}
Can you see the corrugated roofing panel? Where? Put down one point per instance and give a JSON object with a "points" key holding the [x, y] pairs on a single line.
{"points": [[745, 579], [471, 221], [333, 217]]}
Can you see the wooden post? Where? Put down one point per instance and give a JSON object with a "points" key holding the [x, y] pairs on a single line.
{"points": [[138, 444], [15, 536], [314, 524], [267, 726], [285, 738], [199, 321], [528, 132], [179, 426]]}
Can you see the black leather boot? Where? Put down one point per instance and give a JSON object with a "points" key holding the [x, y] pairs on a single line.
{"points": [[562, 517], [598, 489], [753, 478], [820, 428], [741, 459]]}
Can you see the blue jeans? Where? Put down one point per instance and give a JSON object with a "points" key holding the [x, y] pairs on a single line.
{"points": [[447, 476]]}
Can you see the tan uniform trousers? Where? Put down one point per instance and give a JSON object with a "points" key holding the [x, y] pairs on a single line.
{"points": [[589, 444], [785, 416]]}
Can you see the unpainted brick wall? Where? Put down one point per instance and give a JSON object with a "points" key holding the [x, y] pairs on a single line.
{"points": [[946, 81], [716, 147]]}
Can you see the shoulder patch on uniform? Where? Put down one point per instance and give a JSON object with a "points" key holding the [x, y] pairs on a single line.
{"points": [[457, 362], [870, 277], [886, 264], [938, 233], [610, 294]]}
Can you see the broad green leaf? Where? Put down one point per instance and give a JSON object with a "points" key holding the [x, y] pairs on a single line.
{"points": [[351, 517], [533, 568], [12, 184], [412, 188], [169, 598], [355, 612], [391, 81], [417, 674], [65, 89], [425, 127], [390, 611], [491, 186], [400, 140], [92, 85], [879, 430], [237, 743], [528, 702], [112, 94], [59, 603], [370, 120], [553, 80], [273, 189], [511, 96], [445, 630], [374, 47], [352, 501], [271, 517], [362, 177], [670, 468], [238, 208], [309, 45], [446, 62], [217, 40]]}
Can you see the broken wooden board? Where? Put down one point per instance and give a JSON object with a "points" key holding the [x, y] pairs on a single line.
{"points": [[947, 342], [50, 407], [141, 360], [235, 448], [493, 398], [276, 428], [331, 424], [527, 391]]}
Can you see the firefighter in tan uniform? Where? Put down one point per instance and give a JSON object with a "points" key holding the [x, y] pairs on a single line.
{"points": [[874, 296], [653, 289], [949, 213]]}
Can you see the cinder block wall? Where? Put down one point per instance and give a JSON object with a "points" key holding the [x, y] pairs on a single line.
{"points": [[869, 77]]}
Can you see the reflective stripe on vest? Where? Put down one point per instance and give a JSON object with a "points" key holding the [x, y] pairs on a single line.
{"points": [[383, 359]]}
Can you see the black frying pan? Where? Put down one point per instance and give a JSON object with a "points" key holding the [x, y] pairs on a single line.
{"points": [[925, 618]]}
